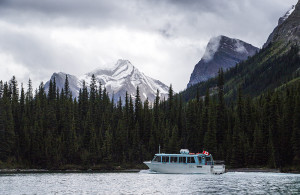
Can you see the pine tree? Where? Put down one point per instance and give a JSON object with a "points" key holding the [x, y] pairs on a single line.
{"points": [[220, 120], [29, 93], [236, 153], [171, 110], [210, 140], [8, 132], [296, 133], [3, 145], [174, 143], [1, 88], [107, 147], [147, 122], [138, 112], [286, 133], [156, 109], [67, 88]]}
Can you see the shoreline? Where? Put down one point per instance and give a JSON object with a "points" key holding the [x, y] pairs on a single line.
{"points": [[13, 171], [257, 170], [133, 170]]}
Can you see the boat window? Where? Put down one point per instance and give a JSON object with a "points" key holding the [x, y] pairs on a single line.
{"points": [[165, 159], [182, 160], [190, 160], [199, 159], [208, 160], [157, 159], [173, 159]]}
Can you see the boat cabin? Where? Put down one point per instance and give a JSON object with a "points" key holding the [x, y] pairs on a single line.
{"points": [[190, 158]]}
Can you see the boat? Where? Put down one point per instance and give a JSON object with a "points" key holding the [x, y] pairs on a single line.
{"points": [[185, 163]]}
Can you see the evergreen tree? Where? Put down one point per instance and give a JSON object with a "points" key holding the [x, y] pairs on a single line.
{"points": [[296, 133], [1, 88], [67, 88], [220, 120], [210, 140], [8, 133]]}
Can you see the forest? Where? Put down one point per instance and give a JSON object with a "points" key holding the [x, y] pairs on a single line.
{"points": [[53, 130]]}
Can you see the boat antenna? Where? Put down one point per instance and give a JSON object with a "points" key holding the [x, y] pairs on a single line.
{"points": [[159, 149]]}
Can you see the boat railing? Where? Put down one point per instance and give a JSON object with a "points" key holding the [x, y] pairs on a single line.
{"points": [[219, 162]]}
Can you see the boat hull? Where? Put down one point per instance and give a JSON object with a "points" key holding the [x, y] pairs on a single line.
{"points": [[183, 168]]}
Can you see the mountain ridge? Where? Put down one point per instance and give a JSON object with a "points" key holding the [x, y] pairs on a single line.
{"points": [[121, 78], [273, 66]]}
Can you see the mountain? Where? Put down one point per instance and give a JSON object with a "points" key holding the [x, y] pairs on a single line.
{"points": [[274, 66], [288, 29], [118, 80], [74, 83], [221, 52]]}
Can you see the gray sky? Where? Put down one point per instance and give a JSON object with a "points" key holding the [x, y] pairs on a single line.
{"points": [[162, 38]]}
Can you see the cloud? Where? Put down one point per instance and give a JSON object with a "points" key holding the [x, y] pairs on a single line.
{"points": [[163, 38], [12, 66], [239, 47], [211, 48]]}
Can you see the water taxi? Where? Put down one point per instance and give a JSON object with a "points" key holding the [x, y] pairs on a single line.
{"points": [[185, 162]]}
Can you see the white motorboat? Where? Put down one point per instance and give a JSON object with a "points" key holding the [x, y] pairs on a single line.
{"points": [[185, 162]]}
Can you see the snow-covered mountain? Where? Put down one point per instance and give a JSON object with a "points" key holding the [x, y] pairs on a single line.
{"points": [[118, 80], [221, 52]]}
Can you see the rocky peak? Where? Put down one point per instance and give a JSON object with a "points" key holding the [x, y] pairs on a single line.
{"points": [[288, 28], [123, 68], [221, 52]]}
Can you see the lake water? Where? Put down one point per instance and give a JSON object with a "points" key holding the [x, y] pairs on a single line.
{"points": [[146, 182]]}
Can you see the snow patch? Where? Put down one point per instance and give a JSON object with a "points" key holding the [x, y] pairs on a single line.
{"points": [[290, 12], [287, 14]]}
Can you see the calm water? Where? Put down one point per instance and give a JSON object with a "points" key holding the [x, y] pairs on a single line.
{"points": [[145, 182]]}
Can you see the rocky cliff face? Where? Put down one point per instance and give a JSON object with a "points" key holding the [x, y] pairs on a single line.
{"points": [[118, 80], [288, 29], [221, 52], [60, 77]]}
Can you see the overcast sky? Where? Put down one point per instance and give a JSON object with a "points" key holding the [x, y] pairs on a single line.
{"points": [[162, 38]]}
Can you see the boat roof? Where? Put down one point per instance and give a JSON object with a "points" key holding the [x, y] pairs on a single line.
{"points": [[197, 154]]}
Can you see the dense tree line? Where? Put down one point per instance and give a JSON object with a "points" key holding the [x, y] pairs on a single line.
{"points": [[52, 129]]}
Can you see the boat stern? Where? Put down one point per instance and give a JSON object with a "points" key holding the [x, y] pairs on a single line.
{"points": [[218, 169]]}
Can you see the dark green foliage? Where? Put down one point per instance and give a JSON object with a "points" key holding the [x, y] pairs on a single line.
{"points": [[54, 130], [296, 131]]}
